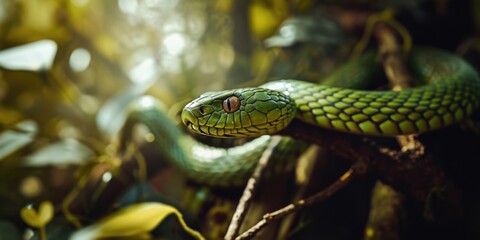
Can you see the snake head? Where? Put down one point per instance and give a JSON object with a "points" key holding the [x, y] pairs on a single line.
{"points": [[246, 112]]}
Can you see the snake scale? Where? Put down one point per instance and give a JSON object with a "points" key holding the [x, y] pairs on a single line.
{"points": [[448, 91]]}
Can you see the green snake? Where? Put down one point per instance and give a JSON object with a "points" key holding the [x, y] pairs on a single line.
{"points": [[450, 92]]}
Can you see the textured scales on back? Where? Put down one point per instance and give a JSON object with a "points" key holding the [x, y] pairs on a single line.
{"points": [[452, 93]]}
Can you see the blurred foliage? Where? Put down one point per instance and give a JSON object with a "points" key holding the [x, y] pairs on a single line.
{"points": [[69, 69]]}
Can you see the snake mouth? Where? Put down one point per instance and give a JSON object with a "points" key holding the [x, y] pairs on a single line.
{"points": [[196, 129], [191, 126]]}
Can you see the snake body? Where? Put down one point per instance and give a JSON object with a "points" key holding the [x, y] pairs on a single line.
{"points": [[450, 92], [204, 164]]}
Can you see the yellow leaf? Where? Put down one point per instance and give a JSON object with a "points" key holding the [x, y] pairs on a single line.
{"points": [[29, 216], [40, 219], [45, 212], [134, 220]]}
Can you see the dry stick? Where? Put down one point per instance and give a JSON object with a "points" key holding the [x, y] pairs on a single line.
{"points": [[294, 207], [393, 60], [247, 195]]}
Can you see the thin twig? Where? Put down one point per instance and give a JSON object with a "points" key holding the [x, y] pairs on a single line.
{"points": [[297, 206], [248, 193]]}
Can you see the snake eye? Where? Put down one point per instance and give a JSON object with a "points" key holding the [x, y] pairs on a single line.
{"points": [[231, 104]]}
